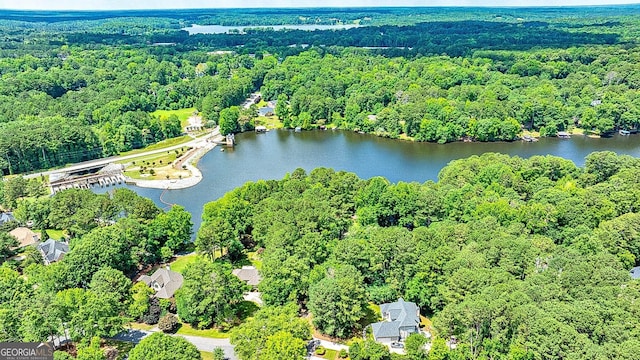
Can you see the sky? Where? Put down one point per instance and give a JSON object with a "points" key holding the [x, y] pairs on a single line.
{"points": [[178, 4]]}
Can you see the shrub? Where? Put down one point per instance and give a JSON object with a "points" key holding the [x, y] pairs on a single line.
{"points": [[320, 350], [342, 354], [153, 315], [166, 253], [152, 172], [168, 323]]}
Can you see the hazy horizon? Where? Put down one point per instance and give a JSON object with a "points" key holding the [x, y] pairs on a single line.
{"points": [[227, 4]]}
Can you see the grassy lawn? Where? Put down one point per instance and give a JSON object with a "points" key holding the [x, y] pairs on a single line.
{"points": [[161, 144], [246, 309], [181, 262], [182, 114], [270, 122], [330, 354], [160, 173], [206, 355], [55, 234], [255, 260], [160, 163], [186, 329], [141, 326]]}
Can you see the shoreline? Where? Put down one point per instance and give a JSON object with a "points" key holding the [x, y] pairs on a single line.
{"points": [[176, 184]]}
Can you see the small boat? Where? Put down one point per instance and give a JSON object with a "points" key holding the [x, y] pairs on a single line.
{"points": [[222, 150], [625, 132], [564, 135], [298, 129]]}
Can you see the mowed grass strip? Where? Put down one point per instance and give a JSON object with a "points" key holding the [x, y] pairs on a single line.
{"points": [[182, 114], [186, 329]]}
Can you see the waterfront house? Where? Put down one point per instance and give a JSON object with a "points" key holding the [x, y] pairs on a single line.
{"points": [[400, 319], [164, 281]]}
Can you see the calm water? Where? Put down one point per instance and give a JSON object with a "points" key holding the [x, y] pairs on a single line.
{"points": [[272, 155], [219, 29]]}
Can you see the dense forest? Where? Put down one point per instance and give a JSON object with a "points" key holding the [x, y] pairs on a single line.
{"points": [[516, 258], [508, 258], [441, 75], [89, 293]]}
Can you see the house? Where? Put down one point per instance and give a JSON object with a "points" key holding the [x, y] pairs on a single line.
{"points": [[248, 274], [25, 236], [6, 217], [53, 250], [635, 272], [596, 102], [164, 281], [400, 319]]}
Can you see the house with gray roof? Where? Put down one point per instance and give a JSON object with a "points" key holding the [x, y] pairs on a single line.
{"points": [[6, 217], [635, 272], [53, 250], [248, 274], [400, 319], [164, 281]]}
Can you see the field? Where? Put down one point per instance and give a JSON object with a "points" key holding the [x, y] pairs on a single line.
{"points": [[160, 145], [182, 114], [181, 263], [156, 166]]}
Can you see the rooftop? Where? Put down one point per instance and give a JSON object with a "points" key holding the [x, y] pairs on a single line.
{"points": [[249, 274], [635, 272], [25, 236], [53, 250], [164, 281]]}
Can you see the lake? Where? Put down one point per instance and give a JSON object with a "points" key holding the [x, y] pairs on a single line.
{"points": [[275, 153], [220, 29]]}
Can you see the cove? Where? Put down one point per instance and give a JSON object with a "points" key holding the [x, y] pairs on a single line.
{"points": [[275, 153]]}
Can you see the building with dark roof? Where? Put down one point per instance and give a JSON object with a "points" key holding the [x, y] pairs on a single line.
{"points": [[53, 250], [6, 217], [164, 281], [400, 319]]}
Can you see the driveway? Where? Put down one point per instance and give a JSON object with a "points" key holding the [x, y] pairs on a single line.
{"points": [[202, 343]]}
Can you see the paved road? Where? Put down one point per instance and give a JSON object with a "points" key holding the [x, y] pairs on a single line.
{"points": [[202, 343], [198, 142]]}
